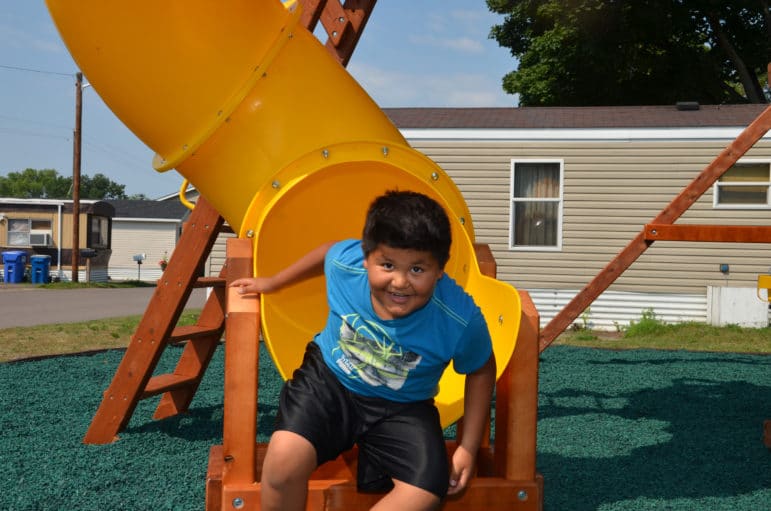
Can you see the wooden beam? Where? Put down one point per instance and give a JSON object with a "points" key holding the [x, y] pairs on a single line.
{"points": [[679, 205], [311, 12], [716, 233], [343, 23], [516, 403], [239, 428]]}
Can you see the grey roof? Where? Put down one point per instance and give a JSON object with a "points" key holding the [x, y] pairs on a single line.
{"points": [[130, 208], [574, 117]]}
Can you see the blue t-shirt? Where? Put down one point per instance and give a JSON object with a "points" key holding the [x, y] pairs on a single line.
{"points": [[399, 359]]}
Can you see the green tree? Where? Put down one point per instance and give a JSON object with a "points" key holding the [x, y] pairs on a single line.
{"points": [[101, 187], [35, 184], [48, 184], [617, 52]]}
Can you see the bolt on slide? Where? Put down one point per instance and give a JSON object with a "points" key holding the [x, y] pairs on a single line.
{"points": [[250, 108]]}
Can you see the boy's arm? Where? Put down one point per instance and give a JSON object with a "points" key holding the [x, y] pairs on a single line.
{"points": [[309, 265], [476, 402]]}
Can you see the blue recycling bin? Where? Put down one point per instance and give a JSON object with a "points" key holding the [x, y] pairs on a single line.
{"points": [[14, 263], [41, 266]]}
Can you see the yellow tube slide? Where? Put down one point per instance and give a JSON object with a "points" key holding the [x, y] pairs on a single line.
{"points": [[252, 110]]}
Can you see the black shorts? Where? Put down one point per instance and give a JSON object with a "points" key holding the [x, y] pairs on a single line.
{"points": [[403, 441]]}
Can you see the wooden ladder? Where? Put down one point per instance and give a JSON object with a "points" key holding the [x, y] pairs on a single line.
{"points": [[134, 380]]}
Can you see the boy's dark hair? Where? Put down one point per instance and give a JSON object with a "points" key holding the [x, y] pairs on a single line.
{"points": [[403, 219]]}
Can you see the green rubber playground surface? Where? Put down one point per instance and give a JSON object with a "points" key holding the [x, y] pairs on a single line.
{"points": [[618, 430]]}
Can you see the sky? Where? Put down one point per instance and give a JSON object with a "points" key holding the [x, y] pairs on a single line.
{"points": [[412, 53]]}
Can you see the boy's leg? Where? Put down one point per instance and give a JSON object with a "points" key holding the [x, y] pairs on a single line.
{"points": [[288, 465], [405, 448], [405, 497], [312, 426]]}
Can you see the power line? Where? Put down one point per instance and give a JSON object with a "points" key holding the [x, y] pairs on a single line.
{"points": [[30, 70]]}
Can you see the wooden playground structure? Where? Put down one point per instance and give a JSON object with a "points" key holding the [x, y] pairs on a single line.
{"points": [[506, 474]]}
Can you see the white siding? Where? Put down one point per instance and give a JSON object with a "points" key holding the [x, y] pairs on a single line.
{"points": [[137, 236], [613, 310], [216, 258], [611, 189]]}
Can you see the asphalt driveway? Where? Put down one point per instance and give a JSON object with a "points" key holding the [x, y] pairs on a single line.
{"points": [[26, 305]]}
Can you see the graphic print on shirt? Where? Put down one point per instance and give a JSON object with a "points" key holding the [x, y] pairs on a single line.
{"points": [[366, 351]]}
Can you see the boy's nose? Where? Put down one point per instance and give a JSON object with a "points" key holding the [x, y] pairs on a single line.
{"points": [[399, 280]]}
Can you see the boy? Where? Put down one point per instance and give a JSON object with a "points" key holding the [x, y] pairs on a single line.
{"points": [[395, 322]]}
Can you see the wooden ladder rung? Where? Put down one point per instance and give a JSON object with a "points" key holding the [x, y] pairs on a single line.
{"points": [[167, 382], [209, 282], [188, 332]]}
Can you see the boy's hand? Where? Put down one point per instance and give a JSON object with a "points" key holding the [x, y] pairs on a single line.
{"points": [[461, 470], [253, 285], [476, 403], [309, 265]]}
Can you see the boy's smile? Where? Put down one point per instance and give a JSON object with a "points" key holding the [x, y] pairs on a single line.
{"points": [[401, 280]]}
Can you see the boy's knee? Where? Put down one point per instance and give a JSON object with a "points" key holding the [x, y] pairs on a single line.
{"points": [[283, 477], [290, 460], [408, 497]]}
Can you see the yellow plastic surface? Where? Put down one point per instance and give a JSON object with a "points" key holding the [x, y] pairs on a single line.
{"points": [[229, 93], [251, 109], [331, 204], [764, 282]]}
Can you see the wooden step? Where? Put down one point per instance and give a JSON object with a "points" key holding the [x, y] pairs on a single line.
{"points": [[188, 332], [167, 382]]}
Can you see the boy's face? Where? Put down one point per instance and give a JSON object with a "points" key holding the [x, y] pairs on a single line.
{"points": [[401, 280]]}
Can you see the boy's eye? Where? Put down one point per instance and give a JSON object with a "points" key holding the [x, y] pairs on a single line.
{"points": [[417, 269], [388, 266]]}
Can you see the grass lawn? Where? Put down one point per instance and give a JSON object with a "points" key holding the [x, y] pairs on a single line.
{"points": [[686, 336], [648, 332], [65, 338]]}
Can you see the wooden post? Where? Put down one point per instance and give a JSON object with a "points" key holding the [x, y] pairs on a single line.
{"points": [[517, 403], [76, 145], [239, 436]]}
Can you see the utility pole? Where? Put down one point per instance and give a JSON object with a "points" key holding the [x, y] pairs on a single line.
{"points": [[76, 175]]}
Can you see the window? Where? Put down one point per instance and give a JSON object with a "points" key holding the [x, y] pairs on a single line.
{"points": [[98, 231], [18, 232], [536, 205], [25, 232], [745, 185]]}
